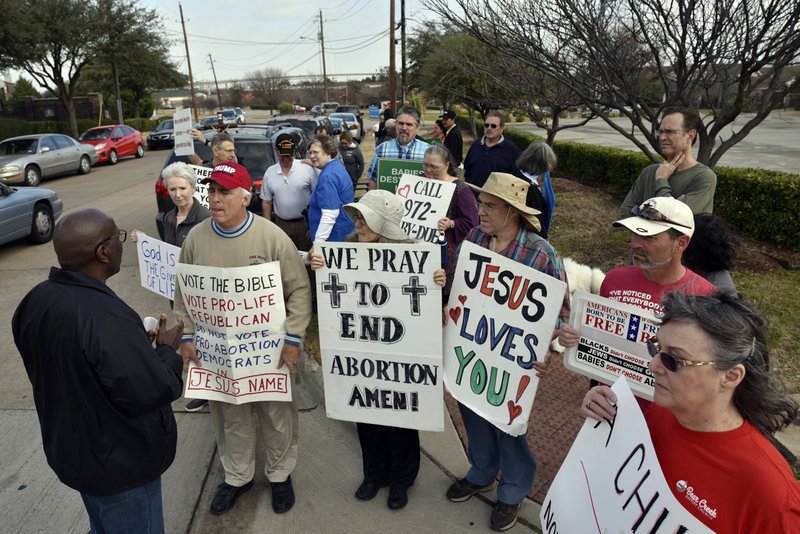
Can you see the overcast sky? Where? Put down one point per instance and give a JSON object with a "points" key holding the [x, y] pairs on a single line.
{"points": [[245, 35]]}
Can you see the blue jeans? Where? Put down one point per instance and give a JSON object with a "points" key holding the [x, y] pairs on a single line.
{"points": [[135, 511]]}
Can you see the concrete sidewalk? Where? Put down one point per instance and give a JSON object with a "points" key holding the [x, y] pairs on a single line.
{"points": [[328, 472]]}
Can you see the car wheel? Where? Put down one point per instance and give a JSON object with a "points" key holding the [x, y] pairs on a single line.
{"points": [[139, 151], [112, 157], [32, 176], [42, 224], [85, 166]]}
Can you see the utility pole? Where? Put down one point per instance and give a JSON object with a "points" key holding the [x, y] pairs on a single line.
{"points": [[392, 70], [403, 49], [189, 63], [322, 48], [214, 72]]}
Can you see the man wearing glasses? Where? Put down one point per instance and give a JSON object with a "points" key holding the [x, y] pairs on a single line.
{"points": [[102, 392], [404, 146], [493, 153], [679, 175]]}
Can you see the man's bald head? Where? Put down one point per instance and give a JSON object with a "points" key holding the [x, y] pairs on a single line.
{"points": [[77, 237]]}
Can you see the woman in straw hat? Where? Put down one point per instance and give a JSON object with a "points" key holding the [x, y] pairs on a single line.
{"points": [[508, 227], [390, 455]]}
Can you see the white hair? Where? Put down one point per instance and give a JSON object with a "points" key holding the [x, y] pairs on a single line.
{"points": [[245, 193]]}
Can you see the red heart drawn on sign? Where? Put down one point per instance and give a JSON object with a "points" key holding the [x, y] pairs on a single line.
{"points": [[455, 314], [462, 299], [514, 410], [403, 191]]}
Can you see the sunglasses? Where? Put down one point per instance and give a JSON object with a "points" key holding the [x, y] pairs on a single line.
{"points": [[671, 363], [648, 212], [490, 125]]}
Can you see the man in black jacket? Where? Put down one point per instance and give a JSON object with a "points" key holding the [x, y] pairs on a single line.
{"points": [[102, 392], [453, 139]]}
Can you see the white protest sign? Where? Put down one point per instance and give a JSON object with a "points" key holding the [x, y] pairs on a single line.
{"points": [[201, 191], [380, 332], [611, 481], [500, 320], [238, 315], [182, 125], [426, 201], [157, 263], [612, 342]]}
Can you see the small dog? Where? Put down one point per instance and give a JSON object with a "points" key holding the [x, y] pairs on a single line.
{"points": [[583, 277]]}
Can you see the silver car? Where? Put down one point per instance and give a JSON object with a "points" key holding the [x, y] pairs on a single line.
{"points": [[29, 158], [351, 123], [29, 212]]}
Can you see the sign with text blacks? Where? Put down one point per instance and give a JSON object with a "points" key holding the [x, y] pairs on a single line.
{"points": [[611, 481], [426, 201], [391, 169], [157, 264], [380, 331], [239, 318], [500, 320], [612, 342]]}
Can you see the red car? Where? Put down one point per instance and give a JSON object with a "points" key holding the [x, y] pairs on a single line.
{"points": [[113, 142]]}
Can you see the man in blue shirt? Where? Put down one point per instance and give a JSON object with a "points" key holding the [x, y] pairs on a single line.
{"points": [[404, 146]]}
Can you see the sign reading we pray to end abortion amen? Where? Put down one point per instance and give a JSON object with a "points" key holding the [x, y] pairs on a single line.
{"points": [[239, 315], [425, 201], [500, 320], [380, 331]]}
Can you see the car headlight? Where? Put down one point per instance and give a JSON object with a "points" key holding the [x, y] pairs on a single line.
{"points": [[101, 146], [11, 168]]}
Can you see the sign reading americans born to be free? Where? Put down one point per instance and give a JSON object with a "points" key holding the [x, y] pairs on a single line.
{"points": [[380, 331]]}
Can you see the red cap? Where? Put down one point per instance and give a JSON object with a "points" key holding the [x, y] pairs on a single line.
{"points": [[230, 176]]}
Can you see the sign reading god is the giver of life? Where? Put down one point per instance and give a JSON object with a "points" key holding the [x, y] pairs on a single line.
{"points": [[238, 315], [426, 201], [612, 342], [380, 331], [500, 320], [157, 263], [611, 481]]}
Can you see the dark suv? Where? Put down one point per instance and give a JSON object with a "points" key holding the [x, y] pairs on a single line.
{"points": [[255, 149], [307, 122], [355, 110]]}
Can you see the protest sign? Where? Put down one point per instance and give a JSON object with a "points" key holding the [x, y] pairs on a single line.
{"points": [[238, 315], [426, 201], [612, 342], [182, 124], [201, 191], [391, 169], [500, 320], [157, 263], [611, 481], [380, 332]]}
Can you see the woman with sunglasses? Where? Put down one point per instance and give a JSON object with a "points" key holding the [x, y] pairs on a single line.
{"points": [[716, 403]]}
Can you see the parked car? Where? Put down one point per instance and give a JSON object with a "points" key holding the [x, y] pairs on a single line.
{"points": [[307, 122], [355, 110], [298, 108], [29, 212], [114, 142], [162, 136], [328, 107], [351, 123], [239, 115], [29, 158], [230, 117], [209, 122], [316, 110], [254, 149], [338, 125]]}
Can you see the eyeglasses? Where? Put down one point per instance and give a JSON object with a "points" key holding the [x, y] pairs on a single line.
{"points": [[122, 235], [671, 363], [491, 125], [488, 208], [669, 131], [650, 213]]}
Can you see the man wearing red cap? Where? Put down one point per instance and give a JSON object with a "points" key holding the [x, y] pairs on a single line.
{"points": [[234, 237]]}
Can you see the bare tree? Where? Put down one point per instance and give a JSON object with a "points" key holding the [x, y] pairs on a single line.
{"points": [[268, 85], [639, 56]]}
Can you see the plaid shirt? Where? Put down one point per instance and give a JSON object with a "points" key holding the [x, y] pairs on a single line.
{"points": [[530, 249], [392, 149]]}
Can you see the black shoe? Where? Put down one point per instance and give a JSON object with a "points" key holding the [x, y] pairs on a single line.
{"points": [[504, 516], [398, 498], [226, 497], [282, 496], [463, 489], [367, 490], [195, 405]]}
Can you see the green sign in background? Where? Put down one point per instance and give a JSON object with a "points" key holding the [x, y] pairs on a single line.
{"points": [[390, 170]]}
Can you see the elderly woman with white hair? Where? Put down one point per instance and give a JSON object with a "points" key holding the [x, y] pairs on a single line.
{"points": [[715, 407]]}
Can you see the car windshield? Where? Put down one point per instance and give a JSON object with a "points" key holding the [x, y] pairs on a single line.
{"points": [[18, 146], [343, 116], [228, 113], [166, 125], [95, 133]]}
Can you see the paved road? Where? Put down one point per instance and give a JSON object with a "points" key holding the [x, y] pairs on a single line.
{"points": [[773, 144]]}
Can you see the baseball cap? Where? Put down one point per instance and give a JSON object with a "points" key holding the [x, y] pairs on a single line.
{"points": [[230, 176], [447, 114], [285, 145], [658, 215]]}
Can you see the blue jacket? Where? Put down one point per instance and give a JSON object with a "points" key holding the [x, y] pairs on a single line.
{"points": [[481, 161]]}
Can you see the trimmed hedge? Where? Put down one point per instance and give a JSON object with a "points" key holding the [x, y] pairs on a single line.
{"points": [[761, 203], [15, 127]]}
